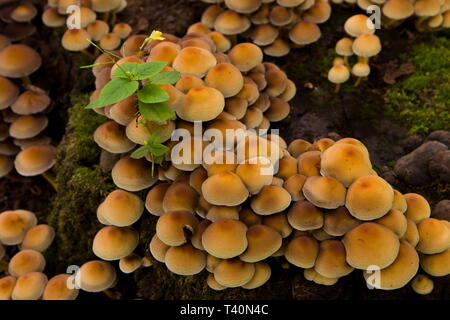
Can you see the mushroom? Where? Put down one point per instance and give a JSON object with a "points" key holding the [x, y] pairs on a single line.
{"points": [[366, 46], [111, 137], [298, 146], [412, 234], [271, 199], [76, 40], [304, 33], [371, 244], [133, 174], [222, 212], [330, 261], [8, 93], [213, 284], [304, 216], [417, 208], [309, 163], [185, 260], [255, 173], [122, 208], [56, 289], [294, 185], [422, 284], [6, 287], [226, 78], [324, 192], [224, 189], [222, 43], [399, 202], [210, 15], [18, 61], [434, 236], [122, 30], [359, 24], [31, 102], [85, 16], [396, 221], [344, 48], [338, 74], [180, 197], [312, 275], [172, 227], [51, 18], [436, 265], [302, 251], [26, 261], [194, 61], [24, 12], [110, 41], [14, 225], [245, 56], [339, 221], [96, 276], [97, 29], [278, 222], [130, 263], [261, 276], [231, 23], [154, 199], [29, 286], [234, 273], [38, 238], [158, 248], [201, 104], [114, 243], [263, 241], [288, 167], [6, 165], [249, 217], [397, 11]]}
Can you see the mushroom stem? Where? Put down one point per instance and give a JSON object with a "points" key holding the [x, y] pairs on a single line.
{"points": [[106, 16], [338, 87], [113, 18], [109, 294], [88, 54], [26, 81], [346, 62], [358, 81], [50, 179]]}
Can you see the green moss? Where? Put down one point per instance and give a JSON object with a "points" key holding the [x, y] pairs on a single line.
{"points": [[421, 100]]}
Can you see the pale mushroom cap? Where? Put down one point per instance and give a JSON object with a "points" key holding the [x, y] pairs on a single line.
{"points": [[344, 47], [263, 241], [434, 236], [249, 217], [302, 251], [278, 110], [213, 284], [210, 15], [96, 276], [130, 263], [261, 276], [264, 34], [35, 160], [422, 284], [194, 61], [255, 173], [361, 69], [399, 202], [26, 261], [122, 30], [133, 174], [158, 248], [38, 238], [201, 104], [226, 78], [437, 265], [97, 29], [426, 8], [111, 137], [396, 221], [234, 273], [86, 16], [243, 6], [225, 238], [271, 199], [338, 74], [245, 56], [417, 208], [324, 192], [122, 208], [24, 12], [371, 244], [110, 41], [154, 199], [51, 18], [29, 286], [298, 146], [401, 271], [294, 185], [398, 9], [29, 126], [304, 33], [171, 226], [224, 189], [8, 93], [180, 196], [412, 234], [113, 243], [75, 39], [304, 216], [312, 275], [56, 289], [330, 261], [30, 102], [14, 225], [231, 23], [6, 287], [105, 5], [339, 221], [278, 222], [367, 45], [185, 260], [359, 24], [18, 60]]}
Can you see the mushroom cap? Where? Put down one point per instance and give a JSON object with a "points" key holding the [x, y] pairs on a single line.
{"points": [[18, 60], [26, 261], [298, 146], [133, 174], [344, 47], [97, 29], [114, 243], [278, 48], [399, 202], [122, 208], [436, 265], [222, 43], [224, 189], [422, 284], [14, 224], [210, 15], [180, 196], [289, 93], [56, 289], [319, 13], [398, 9], [231, 23], [312, 275], [243, 6], [426, 8], [338, 74], [245, 56], [302, 251], [249, 217], [154, 199], [96, 276], [288, 167], [294, 185], [201, 104], [226, 78], [263, 241], [164, 51], [324, 192], [253, 146], [35, 160], [219, 161], [361, 69], [172, 225], [122, 30], [158, 248], [255, 173], [339, 221], [304, 216], [6, 287], [24, 12], [234, 273], [8, 93], [38, 238], [29, 126], [86, 16], [417, 207], [225, 238], [213, 284], [222, 212], [75, 39], [434, 236], [105, 5], [185, 260], [304, 33], [29, 286], [38, 140], [187, 82], [6, 165], [412, 234], [278, 222], [271, 199], [111, 137], [30, 102], [110, 41], [261, 276], [196, 238], [369, 198], [130, 263], [330, 261], [396, 221], [194, 61], [366, 45], [140, 133], [371, 244], [359, 24], [264, 34], [51, 18], [401, 271], [278, 110]]}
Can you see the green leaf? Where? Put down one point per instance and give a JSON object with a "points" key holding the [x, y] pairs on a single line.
{"points": [[169, 77], [140, 152], [149, 69], [114, 91], [151, 93], [158, 112], [127, 70], [158, 150]]}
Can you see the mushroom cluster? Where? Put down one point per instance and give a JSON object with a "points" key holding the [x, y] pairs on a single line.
{"points": [[362, 43], [84, 25], [23, 106], [276, 26], [24, 241]]}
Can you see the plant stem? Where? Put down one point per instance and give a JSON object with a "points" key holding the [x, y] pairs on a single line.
{"points": [[51, 179], [358, 81]]}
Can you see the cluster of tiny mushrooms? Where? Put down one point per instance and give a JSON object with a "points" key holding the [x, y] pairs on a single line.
{"points": [[317, 206]]}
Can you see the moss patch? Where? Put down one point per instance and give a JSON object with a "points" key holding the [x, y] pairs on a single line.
{"points": [[421, 101]]}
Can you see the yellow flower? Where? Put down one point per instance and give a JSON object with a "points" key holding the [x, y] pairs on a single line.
{"points": [[156, 35]]}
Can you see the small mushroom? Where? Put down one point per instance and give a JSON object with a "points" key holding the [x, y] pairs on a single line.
{"points": [[29, 286], [96, 276], [172, 227], [185, 260], [234, 273], [38, 238], [304, 216], [263, 241], [302, 251], [422, 284], [114, 243], [56, 289]]}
